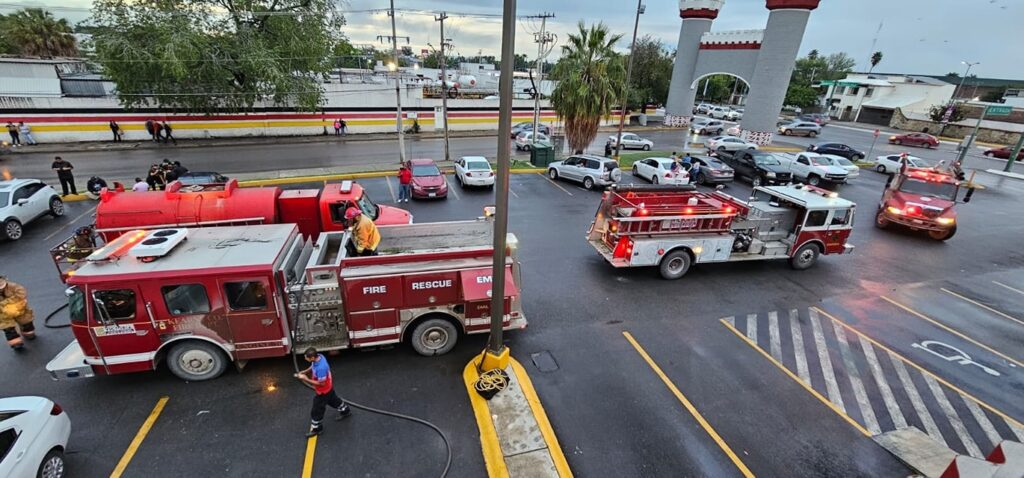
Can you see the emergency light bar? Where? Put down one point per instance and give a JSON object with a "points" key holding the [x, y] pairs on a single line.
{"points": [[346, 186]]}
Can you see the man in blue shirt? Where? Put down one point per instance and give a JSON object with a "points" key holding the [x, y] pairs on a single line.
{"points": [[318, 376]]}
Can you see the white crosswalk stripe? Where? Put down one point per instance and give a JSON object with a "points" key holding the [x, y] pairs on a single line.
{"points": [[831, 387], [798, 347], [983, 421], [953, 418], [883, 385], [870, 421], [752, 327], [773, 336], [1016, 430], [915, 399]]}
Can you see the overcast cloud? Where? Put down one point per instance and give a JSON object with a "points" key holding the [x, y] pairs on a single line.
{"points": [[917, 36]]}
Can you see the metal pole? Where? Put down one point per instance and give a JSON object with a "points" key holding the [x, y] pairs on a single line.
{"points": [[540, 75], [629, 72], [872, 149], [508, 59], [970, 141], [444, 82], [1014, 153], [398, 86]]}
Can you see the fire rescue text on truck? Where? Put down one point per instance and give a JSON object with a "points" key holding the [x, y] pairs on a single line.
{"points": [[675, 227], [198, 299]]}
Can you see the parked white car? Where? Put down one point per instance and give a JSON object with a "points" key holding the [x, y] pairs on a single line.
{"points": [[735, 115], [632, 141], [891, 163], [23, 201], [812, 168], [33, 437], [852, 170], [719, 112], [659, 171], [474, 171], [734, 131], [728, 143], [707, 126], [524, 141]]}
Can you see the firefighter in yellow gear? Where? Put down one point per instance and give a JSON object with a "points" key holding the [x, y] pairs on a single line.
{"points": [[364, 232], [15, 313]]}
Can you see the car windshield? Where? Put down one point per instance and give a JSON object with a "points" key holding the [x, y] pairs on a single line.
{"points": [[843, 161], [368, 207], [4, 197], [819, 161], [929, 188], [766, 160], [919, 163], [478, 165], [425, 170]]}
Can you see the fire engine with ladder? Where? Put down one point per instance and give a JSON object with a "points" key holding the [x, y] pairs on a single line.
{"points": [[199, 299], [673, 228]]}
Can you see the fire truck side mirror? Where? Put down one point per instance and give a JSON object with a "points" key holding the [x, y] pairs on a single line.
{"points": [[970, 193]]}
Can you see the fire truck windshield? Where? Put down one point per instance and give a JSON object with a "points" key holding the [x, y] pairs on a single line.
{"points": [[76, 304], [929, 188], [368, 207]]}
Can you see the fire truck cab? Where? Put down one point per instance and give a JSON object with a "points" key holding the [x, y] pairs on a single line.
{"points": [[921, 199], [675, 227], [199, 299]]}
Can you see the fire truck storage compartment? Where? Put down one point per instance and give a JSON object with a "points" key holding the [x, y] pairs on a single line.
{"points": [[772, 220], [301, 207]]}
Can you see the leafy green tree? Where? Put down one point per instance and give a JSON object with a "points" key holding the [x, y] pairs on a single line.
{"points": [[214, 55], [35, 32], [590, 76], [801, 95], [433, 60], [937, 112], [652, 73]]}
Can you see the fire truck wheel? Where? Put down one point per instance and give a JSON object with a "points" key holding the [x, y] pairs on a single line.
{"points": [[196, 361], [942, 235], [805, 257], [434, 337], [52, 465], [588, 182], [881, 221], [675, 264], [56, 207]]}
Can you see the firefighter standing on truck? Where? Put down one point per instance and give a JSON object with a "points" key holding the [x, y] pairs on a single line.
{"points": [[318, 376], [365, 235], [15, 313]]}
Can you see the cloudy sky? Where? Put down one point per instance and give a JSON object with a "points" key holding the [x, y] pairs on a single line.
{"points": [[917, 36]]}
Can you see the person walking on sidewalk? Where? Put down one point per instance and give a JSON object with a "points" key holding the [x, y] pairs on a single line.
{"points": [[13, 131], [151, 129], [26, 132], [344, 127], [116, 129], [318, 376], [167, 133], [64, 174], [404, 184], [337, 127], [15, 313]]}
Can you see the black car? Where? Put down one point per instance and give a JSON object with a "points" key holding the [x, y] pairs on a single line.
{"points": [[837, 149], [758, 167]]}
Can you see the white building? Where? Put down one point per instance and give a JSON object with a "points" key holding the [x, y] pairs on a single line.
{"points": [[872, 98]]}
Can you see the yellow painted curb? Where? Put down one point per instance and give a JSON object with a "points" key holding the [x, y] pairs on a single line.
{"points": [[494, 460], [561, 465]]}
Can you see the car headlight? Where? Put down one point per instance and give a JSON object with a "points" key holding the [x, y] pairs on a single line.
{"points": [[770, 175], [945, 221]]}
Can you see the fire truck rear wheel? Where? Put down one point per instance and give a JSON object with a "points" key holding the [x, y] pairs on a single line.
{"points": [[196, 361], [881, 221], [675, 264], [805, 257], [942, 235], [434, 337]]}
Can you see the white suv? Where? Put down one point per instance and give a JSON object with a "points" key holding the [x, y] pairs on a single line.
{"points": [[719, 112], [24, 200], [588, 169]]}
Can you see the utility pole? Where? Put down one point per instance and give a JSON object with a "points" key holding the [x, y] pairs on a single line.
{"points": [[629, 73], [398, 84], [542, 38], [445, 42]]}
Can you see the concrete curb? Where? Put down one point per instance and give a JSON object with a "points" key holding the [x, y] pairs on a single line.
{"points": [[518, 425]]}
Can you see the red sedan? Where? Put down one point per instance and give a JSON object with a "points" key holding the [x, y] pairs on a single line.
{"points": [[427, 180], [1003, 153], [915, 139]]}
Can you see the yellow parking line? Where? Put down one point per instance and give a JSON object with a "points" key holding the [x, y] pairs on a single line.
{"points": [[689, 407], [953, 331], [139, 437], [1008, 287], [921, 369], [307, 463], [559, 186], [796, 379], [983, 306]]}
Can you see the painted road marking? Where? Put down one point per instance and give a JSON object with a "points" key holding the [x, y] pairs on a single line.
{"points": [[307, 462], [559, 186], [952, 417], [752, 327], [689, 407], [958, 356], [983, 422], [139, 437], [1019, 431], [73, 221], [915, 400], [391, 189], [831, 386], [1008, 287], [453, 191], [858, 385], [883, 385], [952, 331], [798, 347], [773, 335], [806, 386], [513, 191], [983, 306]]}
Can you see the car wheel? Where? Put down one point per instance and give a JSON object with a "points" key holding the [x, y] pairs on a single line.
{"points": [[756, 181], [987, 153], [785, 132], [647, 147], [526, 147], [856, 157], [56, 207], [654, 179], [721, 149], [942, 235], [897, 142], [553, 173], [805, 257], [881, 221], [196, 361], [52, 465], [929, 145], [588, 182], [434, 337], [12, 230], [880, 168], [719, 133], [813, 180], [634, 171], [701, 179], [812, 134], [675, 264]]}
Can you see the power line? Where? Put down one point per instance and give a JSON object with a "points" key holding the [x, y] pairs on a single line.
{"points": [[278, 13]]}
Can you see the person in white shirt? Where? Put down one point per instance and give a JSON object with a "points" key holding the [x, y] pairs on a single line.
{"points": [[140, 186]]}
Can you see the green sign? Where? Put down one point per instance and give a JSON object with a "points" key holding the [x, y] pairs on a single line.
{"points": [[839, 83], [998, 110], [851, 84], [828, 82]]}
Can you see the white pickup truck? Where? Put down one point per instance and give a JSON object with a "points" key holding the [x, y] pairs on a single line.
{"points": [[812, 168]]}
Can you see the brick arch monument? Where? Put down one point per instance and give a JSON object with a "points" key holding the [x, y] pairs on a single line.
{"points": [[764, 59]]}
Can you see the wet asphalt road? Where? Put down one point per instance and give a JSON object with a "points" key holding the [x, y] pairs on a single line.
{"points": [[613, 414]]}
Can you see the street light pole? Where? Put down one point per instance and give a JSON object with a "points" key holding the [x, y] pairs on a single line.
{"points": [[495, 347], [398, 86], [629, 73], [444, 82], [952, 98]]}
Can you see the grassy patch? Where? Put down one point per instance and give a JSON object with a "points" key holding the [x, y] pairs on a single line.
{"points": [[516, 164]]}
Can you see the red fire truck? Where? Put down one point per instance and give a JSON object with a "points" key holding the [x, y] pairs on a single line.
{"points": [[675, 227], [198, 299], [313, 210], [921, 199]]}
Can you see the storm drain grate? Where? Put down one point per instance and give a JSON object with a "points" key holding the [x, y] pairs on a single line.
{"points": [[544, 361]]}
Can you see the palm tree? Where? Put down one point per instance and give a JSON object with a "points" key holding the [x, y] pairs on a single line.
{"points": [[590, 76], [876, 58], [35, 32]]}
